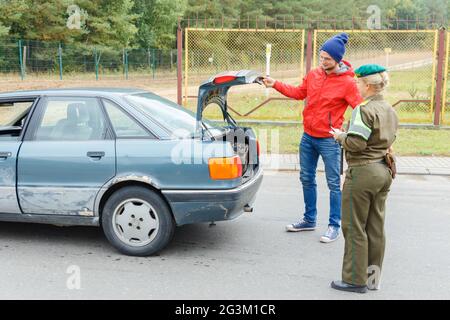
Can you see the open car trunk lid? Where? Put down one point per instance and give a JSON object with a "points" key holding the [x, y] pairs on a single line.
{"points": [[215, 90], [243, 139]]}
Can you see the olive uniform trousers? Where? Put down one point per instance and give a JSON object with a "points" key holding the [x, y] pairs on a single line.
{"points": [[363, 212]]}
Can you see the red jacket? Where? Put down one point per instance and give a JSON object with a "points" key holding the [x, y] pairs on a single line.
{"points": [[328, 96]]}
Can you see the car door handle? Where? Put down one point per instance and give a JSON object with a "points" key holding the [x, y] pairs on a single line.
{"points": [[5, 155], [96, 154]]}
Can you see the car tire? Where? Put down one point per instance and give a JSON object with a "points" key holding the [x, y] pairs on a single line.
{"points": [[137, 221]]}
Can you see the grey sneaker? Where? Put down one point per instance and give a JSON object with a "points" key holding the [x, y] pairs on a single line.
{"points": [[332, 234], [301, 226]]}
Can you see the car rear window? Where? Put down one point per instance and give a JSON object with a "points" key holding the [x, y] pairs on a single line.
{"points": [[180, 121]]}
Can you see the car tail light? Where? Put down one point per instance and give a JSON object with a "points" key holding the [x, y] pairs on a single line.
{"points": [[224, 79], [258, 150], [225, 168]]}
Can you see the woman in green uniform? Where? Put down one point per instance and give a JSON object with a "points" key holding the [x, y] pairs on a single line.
{"points": [[372, 131]]}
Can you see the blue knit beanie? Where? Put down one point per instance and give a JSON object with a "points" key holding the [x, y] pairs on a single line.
{"points": [[335, 46]]}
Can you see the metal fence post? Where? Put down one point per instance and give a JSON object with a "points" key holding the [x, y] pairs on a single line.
{"points": [[149, 59], [153, 62], [439, 77], [309, 49], [22, 73], [309, 57], [96, 63], [125, 62], [179, 65], [186, 64], [446, 73], [126, 55], [60, 62]]}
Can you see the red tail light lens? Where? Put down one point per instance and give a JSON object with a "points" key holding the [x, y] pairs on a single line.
{"points": [[224, 79]]}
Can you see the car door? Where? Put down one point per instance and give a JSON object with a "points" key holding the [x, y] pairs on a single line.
{"points": [[66, 157], [13, 116]]}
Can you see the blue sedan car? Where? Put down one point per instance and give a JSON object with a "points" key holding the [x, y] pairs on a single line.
{"points": [[127, 160]]}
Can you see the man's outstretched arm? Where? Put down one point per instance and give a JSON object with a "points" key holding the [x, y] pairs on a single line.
{"points": [[297, 93]]}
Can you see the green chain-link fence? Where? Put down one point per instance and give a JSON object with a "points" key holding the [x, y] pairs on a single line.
{"points": [[9, 57], [53, 60]]}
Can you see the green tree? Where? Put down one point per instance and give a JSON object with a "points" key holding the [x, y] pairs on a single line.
{"points": [[403, 9], [108, 23], [213, 9], [36, 20], [157, 22], [436, 8], [3, 30]]}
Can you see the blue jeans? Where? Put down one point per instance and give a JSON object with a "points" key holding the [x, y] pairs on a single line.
{"points": [[330, 151]]}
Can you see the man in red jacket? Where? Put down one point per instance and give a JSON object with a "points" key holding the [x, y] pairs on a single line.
{"points": [[329, 90]]}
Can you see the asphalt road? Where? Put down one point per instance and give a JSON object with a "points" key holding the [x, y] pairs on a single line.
{"points": [[251, 257]]}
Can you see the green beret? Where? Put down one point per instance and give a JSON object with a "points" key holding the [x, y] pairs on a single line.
{"points": [[368, 69]]}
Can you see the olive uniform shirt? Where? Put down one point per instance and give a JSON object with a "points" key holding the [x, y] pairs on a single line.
{"points": [[372, 131]]}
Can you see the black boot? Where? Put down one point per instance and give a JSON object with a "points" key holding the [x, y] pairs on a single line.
{"points": [[344, 286]]}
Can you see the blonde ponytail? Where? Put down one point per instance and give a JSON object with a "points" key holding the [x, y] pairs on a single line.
{"points": [[378, 81]]}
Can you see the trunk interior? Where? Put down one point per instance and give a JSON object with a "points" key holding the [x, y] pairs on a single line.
{"points": [[243, 140]]}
